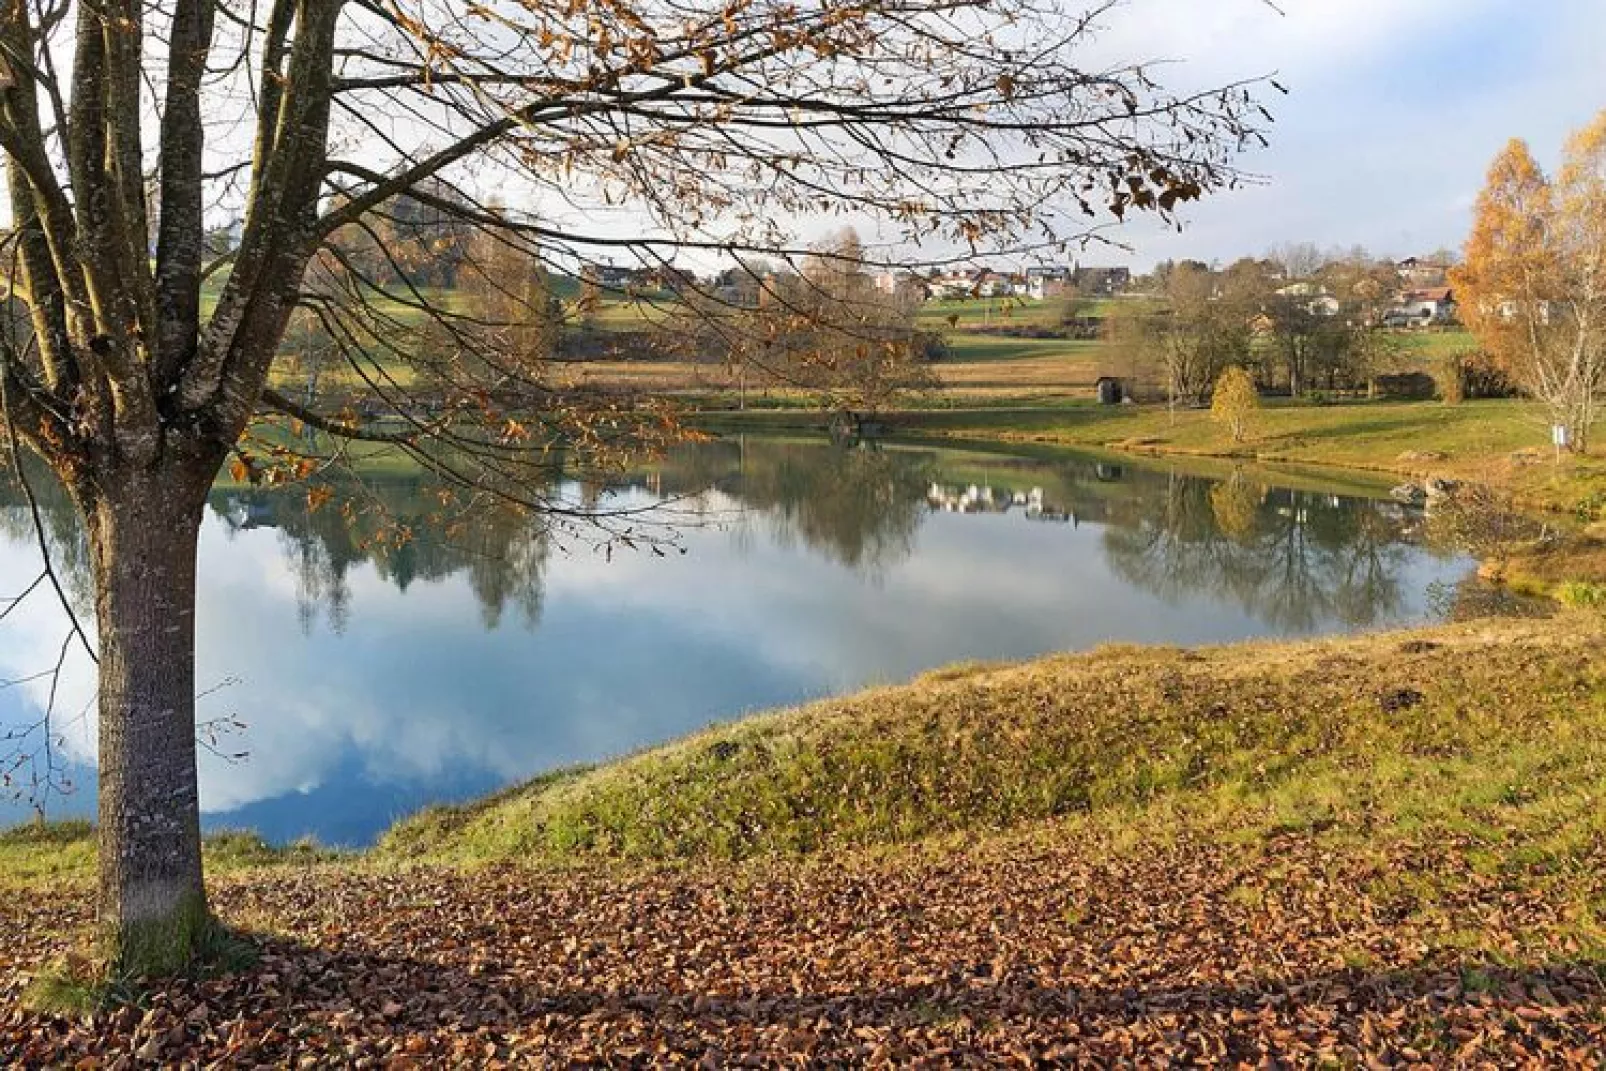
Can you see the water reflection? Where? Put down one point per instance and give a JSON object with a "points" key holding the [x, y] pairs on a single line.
{"points": [[1294, 559], [398, 527], [392, 648]]}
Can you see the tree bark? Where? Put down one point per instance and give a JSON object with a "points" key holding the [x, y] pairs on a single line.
{"points": [[143, 530]]}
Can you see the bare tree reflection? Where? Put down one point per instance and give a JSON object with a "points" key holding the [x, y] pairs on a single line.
{"points": [[1292, 558]]}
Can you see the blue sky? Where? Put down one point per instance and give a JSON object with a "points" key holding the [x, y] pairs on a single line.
{"points": [[1396, 108]]}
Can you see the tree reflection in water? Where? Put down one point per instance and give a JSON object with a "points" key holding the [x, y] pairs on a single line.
{"points": [[1293, 558], [400, 527]]}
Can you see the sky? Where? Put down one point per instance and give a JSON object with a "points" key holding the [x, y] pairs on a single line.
{"points": [[1396, 108]]}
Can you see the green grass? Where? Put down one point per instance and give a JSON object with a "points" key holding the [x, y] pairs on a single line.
{"points": [[1490, 730], [41, 853], [1430, 345], [1500, 442], [969, 346], [38, 854], [83, 983], [1582, 595], [1003, 311]]}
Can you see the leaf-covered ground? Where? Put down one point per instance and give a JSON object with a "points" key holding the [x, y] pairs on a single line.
{"points": [[1067, 942]]}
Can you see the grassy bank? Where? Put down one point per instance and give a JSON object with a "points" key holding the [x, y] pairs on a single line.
{"points": [[54, 855], [1501, 443], [1488, 729], [1491, 729]]}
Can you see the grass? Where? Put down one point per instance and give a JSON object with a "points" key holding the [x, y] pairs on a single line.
{"points": [[53, 858], [1431, 345], [1582, 595], [1496, 731], [42, 854], [81, 983], [1501, 442]]}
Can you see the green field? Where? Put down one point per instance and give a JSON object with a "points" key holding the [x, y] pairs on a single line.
{"points": [[985, 366], [1264, 736]]}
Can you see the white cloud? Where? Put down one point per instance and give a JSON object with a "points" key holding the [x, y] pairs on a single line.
{"points": [[1395, 110]]}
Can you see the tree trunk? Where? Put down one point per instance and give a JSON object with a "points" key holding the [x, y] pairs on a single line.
{"points": [[143, 530]]}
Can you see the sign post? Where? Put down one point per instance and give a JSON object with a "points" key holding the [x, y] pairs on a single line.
{"points": [[1561, 437]]}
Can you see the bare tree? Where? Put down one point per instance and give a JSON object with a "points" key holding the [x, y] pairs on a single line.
{"points": [[1300, 260], [954, 123], [825, 330]]}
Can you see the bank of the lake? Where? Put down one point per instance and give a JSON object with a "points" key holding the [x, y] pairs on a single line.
{"points": [[1378, 847], [1503, 443], [1413, 728]]}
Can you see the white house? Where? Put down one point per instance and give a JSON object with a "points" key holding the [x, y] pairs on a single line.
{"points": [[996, 284], [1043, 283], [1319, 303], [1416, 272], [1421, 308], [954, 283]]}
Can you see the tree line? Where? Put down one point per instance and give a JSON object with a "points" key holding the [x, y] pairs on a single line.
{"points": [[1295, 335]]}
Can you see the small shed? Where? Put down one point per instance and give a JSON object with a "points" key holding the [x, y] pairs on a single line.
{"points": [[1111, 391]]}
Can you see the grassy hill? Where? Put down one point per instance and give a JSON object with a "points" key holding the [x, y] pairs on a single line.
{"points": [[1451, 726]]}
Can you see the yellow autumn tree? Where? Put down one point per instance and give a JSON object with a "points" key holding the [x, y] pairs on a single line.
{"points": [[1532, 285], [1235, 401]]}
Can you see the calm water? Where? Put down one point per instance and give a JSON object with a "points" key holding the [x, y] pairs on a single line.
{"points": [[371, 681]]}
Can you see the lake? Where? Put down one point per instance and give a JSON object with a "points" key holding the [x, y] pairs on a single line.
{"points": [[370, 675]]}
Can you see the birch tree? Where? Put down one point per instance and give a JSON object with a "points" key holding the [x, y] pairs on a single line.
{"points": [[143, 367]]}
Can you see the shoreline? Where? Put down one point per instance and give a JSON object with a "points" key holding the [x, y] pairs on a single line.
{"points": [[1306, 436]]}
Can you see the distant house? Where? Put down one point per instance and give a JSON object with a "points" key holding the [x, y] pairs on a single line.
{"points": [[1319, 302], [992, 284], [610, 276], [954, 283], [890, 282], [738, 287], [1422, 308], [667, 277], [1420, 274], [1509, 309], [1043, 283], [903, 285]]}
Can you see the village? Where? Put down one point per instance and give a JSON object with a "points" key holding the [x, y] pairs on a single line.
{"points": [[1423, 297]]}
